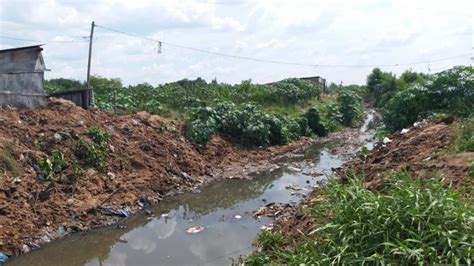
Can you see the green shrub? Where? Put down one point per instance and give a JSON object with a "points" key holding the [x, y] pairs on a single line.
{"points": [[49, 167], [314, 122], [464, 136], [350, 107], [407, 222], [449, 92], [95, 151]]}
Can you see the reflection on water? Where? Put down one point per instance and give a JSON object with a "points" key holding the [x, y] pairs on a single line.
{"points": [[162, 239]]}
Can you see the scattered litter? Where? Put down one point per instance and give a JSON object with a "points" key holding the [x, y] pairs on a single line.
{"points": [[294, 187], [294, 169], [266, 227], [111, 175], [45, 239], [386, 140], [165, 215], [405, 130], [3, 257], [313, 173], [237, 216], [22, 157], [427, 159], [195, 229], [57, 137], [271, 210], [25, 249], [16, 180], [416, 124], [61, 230], [121, 212]]}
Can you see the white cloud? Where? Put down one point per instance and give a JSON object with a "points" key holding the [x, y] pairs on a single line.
{"points": [[323, 32]]}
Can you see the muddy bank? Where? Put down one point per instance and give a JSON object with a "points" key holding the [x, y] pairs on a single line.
{"points": [[422, 150], [148, 160]]}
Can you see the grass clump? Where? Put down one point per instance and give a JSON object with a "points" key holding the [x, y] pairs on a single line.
{"points": [[8, 162], [406, 222], [464, 136], [94, 151]]}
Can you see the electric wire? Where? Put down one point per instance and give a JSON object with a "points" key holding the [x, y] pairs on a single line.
{"points": [[277, 61]]}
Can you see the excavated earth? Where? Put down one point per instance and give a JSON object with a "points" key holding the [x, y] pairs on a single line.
{"points": [[149, 159], [422, 151]]}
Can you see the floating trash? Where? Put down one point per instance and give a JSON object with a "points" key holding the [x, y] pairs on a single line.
{"points": [[195, 229]]}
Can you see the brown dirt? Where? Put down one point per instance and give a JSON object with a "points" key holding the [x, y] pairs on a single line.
{"points": [[422, 151], [145, 164]]}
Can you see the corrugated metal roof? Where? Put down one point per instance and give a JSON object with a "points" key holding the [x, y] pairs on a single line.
{"points": [[23, 48]]}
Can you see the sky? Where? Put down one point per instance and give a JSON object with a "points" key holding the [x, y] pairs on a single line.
{"points": [[329, 38]]}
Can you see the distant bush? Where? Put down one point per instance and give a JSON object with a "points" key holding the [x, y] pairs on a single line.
{"points": [[314, 122], [350, 107], [249, 126], [450, 92]]}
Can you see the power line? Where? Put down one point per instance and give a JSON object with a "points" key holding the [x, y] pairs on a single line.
{"points": [[277, 61], [38, 41]]}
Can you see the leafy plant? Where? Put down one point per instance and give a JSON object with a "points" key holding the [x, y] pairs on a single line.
{"points": [[50, 167], [350, 107], [314, 122], [407, 222], [95, 151]]}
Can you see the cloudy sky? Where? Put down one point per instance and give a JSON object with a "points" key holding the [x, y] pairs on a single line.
{"points": [[311, 32]]}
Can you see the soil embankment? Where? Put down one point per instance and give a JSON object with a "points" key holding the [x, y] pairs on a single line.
{"points": [[148, 160]]}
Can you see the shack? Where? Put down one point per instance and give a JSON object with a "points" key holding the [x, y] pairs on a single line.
{"points": [[317, 80], [22, 77]]}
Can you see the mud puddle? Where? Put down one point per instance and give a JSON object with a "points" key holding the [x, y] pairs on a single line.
{"points": [[220, 215]]}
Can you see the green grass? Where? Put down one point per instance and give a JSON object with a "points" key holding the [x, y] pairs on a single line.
{"points": [[406, 222], [464, 136]]}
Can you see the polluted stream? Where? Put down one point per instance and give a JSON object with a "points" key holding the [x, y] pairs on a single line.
{"points": [[211, 227]]}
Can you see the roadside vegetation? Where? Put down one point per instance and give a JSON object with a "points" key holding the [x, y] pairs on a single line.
{"points": [[415, 96], [406, 222], [251, 115]]}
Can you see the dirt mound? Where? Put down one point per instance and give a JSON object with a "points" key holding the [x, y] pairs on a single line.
{"points": [[148, 159], [422, 150]]}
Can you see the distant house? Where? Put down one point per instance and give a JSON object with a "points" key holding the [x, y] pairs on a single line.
{"points": [[22, 77], [318, 80]]}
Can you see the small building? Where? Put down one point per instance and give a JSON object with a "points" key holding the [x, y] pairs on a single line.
{"points": [[317, 80], [22, 77]]}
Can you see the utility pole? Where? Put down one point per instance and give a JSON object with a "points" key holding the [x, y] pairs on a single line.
{"points": [[89, 64]]}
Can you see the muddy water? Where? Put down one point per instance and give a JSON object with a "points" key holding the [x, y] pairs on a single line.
{"points": [[223, 209]]}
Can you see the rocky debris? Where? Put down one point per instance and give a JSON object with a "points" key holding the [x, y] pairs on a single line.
{"points": [[271, 210]]}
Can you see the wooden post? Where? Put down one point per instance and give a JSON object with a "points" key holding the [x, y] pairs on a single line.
{"points": [[89, 64], [115, 100]]}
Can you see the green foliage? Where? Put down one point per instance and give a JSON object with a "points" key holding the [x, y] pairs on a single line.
{"points": [[407, 222], [93, 152], [249, 126], [314, 122], [450, 92], [62, 84], [350, 107], [464, 136], [50, 167]]}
